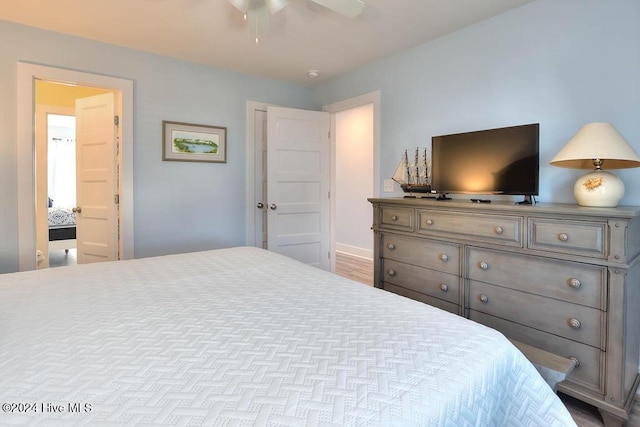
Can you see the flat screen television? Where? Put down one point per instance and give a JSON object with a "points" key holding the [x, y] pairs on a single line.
{"points": [[493, 161]]}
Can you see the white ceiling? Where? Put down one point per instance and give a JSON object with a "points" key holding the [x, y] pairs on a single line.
{"points": [[301, 37]]}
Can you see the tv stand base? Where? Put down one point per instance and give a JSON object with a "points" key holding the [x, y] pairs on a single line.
{"points": [[528, 200]]}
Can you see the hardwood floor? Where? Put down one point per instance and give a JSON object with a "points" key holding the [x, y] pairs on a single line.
{"points": [[62, 259], [355, 268], [361, 270]]}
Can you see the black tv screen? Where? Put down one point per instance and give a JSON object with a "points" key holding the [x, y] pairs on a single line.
{"points": [[493, 161]]}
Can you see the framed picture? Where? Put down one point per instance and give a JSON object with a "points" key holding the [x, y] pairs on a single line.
{"points": [[187, 142]]}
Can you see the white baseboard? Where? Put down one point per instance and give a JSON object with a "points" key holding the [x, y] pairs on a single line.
{"points": [[355, 251]]}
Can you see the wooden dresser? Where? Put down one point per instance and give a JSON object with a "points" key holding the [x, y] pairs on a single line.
{"points": [[561, 278]]}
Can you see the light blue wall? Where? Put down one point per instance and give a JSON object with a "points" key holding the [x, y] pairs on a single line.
{"points": [[179, 206], [557, 62], [561, 63]]}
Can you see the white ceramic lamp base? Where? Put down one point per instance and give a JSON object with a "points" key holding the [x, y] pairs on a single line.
{"points": [[599, 189]]}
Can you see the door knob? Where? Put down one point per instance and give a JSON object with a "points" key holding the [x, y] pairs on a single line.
{"points": [[260, 205], [77, 209], [273, 207]]}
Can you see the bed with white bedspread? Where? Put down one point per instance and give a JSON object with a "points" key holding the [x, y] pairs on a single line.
{"points": [[244, 336], [62, 228]]}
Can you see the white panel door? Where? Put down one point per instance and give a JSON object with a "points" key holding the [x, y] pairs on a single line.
{"points": [[96, 232], [298, 183]]}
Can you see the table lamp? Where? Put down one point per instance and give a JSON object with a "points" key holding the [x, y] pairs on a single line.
{"points": [[597, 145]]}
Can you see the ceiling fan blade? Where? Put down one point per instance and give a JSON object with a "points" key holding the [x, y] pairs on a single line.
{"points": [[348, 8], [276, 6]]}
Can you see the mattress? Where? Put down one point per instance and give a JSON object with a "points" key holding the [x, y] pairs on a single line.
{"points": [[244, 336]]}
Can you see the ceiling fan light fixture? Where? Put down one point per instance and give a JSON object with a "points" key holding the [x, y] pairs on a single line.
{"points": [[256, 14], [276, 6], [313, 74]]}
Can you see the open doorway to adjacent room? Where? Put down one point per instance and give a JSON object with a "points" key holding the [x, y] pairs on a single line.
{"points": [[103, 110], [353, 186], [57, 220]]}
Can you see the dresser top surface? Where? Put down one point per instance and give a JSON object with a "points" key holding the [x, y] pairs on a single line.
{"points": [[512, 208]]}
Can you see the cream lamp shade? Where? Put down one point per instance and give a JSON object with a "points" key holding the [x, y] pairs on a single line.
{"points": [[596, 146]]}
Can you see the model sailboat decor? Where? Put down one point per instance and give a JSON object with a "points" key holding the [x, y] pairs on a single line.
{"points": [[414, 172]]}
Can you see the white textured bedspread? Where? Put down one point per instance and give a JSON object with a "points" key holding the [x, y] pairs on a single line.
{"points": [[243, 336]]}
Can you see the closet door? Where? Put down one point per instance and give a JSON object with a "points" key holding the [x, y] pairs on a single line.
{"points": [[260, 234], [298, 184], [96, 214]]}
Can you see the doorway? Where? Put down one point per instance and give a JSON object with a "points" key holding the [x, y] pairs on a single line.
{"points": [[55, 171], [355, 130], [28, 74], [58, 245], [354, 181]]}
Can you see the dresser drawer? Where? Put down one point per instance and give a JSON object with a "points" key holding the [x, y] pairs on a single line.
{"points": [[427, 299], [568, 237], [494, 228], [590, 359], [568, 281], [572, 321], [395, 218], [434, 283], [427, 253]]}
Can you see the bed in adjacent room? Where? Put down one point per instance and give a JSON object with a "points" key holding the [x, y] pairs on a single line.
{"points": [[62, 228], [244, 336]]}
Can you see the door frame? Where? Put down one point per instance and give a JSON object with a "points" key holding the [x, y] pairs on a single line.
{"points": [[27, 73]]}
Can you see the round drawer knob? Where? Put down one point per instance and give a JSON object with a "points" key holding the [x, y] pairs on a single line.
{"points": [[429, 222], [574, 283], [391, 272], [444, 257], [563, 237], [498, 230], [483, 265], [391, 246], [484, 299], [394, 217], [575, 323], [444, 287], [575, 360]]}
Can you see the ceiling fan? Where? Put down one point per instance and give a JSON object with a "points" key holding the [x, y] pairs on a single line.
{"points": [[348, 8]]}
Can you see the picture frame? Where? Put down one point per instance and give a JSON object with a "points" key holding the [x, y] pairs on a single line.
{"points": [[187, 142]]}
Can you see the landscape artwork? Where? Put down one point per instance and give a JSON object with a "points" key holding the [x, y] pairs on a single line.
{"points": [[194, 143]]}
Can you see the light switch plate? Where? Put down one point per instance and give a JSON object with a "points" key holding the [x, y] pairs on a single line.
{"points": [[388, 186]]}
